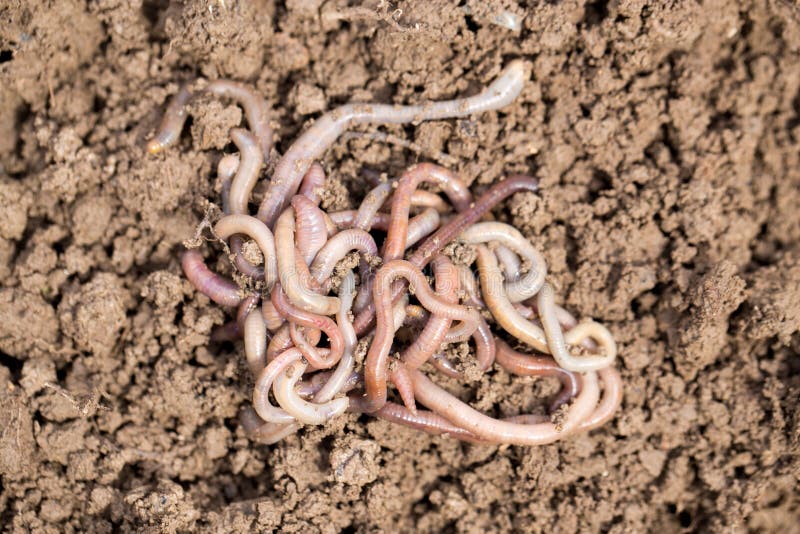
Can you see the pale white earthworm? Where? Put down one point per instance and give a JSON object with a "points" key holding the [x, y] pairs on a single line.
{"points": [[262, 432], [323, 133], [526, 285], [256, 230], [255, 108], [337, 247], [558, 342], [247, 171], [264, 408], [255, 341], [310, 413], [343, 372]]}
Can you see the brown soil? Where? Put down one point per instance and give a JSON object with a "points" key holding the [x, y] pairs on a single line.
{"points": [[666, 141]]}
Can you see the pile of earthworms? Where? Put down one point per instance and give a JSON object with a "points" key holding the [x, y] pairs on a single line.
{"points": [[338, 306]]}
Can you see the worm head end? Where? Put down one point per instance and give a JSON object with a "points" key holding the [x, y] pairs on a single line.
{"points": [[154, 146]]}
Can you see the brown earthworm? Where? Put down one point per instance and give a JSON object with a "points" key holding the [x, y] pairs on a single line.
{"points": [[324, 132], [256, 230], [522, 364], [295, 286], [377, 361], [497, 431], [313, 183], [558, 342], [312, 320], [311, 231], [528, 284], [310, 413], [255, 109], [169, 131], [222, 291]]}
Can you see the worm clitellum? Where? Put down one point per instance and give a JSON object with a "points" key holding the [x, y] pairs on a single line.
{"points": [[360, 278]]}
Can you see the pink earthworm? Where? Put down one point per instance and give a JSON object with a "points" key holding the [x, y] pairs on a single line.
{"points": [[312, 320], [256, 230], [348, 218], [262, 432], [368, 210], [324, 132], [256, 109], [522, 364], [309, 351], [424, 420], [169, 131], [310, 413], [395, 244], [528, 284], [282, 340], [427, 199], [313, 183], [498, 431], [233, 330], [311, 231], [447, 232], [445, 366], [295, 286], [377, 361], [222, 291]]}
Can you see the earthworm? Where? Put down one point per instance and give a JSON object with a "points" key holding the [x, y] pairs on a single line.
{"points": [[310, 352], [249, 166], [324, 132], [313, 183], [169, 131], [557, 341], [421, 225], [469, 287], [509, 261], [426, 199], [347, 219], [255, 342], [312, 320], [445, 366], [493, 289], [222, 291], [233, 330], [612, 398], [395, 244], [528, 284], [432, 336], [338, 380], [258, 232], [531, 365], [302, 410], [226, 168], [311, 231], [261, 403], [424, 420], [369, 207], [338, 247], [259, 430], [497, 431], [282, 340], [272, 319], [377, 361], [255, 108], [295, 287]]}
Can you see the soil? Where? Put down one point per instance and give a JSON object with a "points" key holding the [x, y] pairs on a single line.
{"points": [[665, 137]]}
